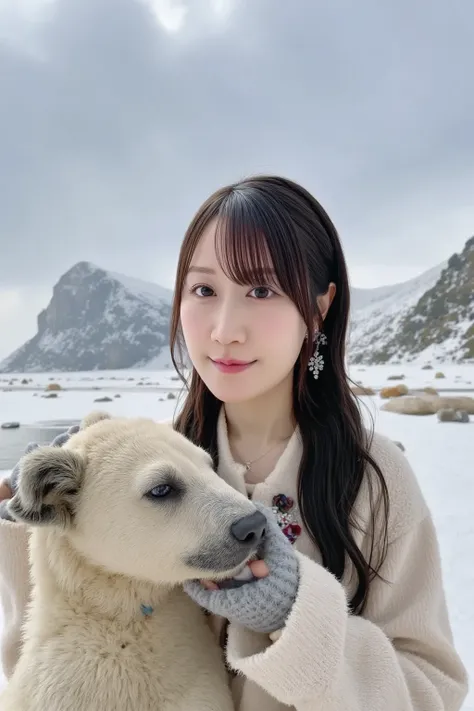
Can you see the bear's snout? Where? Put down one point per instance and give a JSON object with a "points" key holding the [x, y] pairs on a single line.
{"points": [[234, 536], [249, 529]]}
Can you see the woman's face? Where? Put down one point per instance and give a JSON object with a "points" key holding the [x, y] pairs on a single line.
{"points": [[242, 340]]}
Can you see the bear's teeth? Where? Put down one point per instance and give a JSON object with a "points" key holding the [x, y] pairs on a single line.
{"points": [[245, 574]]}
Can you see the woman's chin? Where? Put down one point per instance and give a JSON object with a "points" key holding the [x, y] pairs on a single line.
{"points": [[243, 387], [228, 390]]}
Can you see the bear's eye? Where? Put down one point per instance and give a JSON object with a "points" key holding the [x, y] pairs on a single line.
{"points": [[170, 488], [160, 491]]}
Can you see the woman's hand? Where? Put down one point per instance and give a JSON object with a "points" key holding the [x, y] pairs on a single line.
{"points": [[5, 490], [264, 604]]}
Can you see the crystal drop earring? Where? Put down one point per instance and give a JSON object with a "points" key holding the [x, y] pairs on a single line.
{"points": [[316, 362]]}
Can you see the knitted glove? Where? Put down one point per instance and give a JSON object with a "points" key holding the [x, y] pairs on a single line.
{"points": [[12, 480], [263, 604]]}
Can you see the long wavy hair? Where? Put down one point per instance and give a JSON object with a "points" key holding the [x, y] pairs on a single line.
{"points": [[269, 221]]}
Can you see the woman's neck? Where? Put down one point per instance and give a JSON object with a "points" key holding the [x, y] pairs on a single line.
{"points": [[259, 430]]}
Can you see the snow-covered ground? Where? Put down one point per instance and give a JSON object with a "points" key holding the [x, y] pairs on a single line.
{"points": [[456, 377], [117, 380], [442, 455]]}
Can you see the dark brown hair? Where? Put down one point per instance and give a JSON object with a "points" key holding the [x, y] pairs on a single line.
{"points": [[271, 222]]}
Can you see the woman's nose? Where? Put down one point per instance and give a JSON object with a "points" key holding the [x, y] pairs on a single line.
{"points": [[229, 325]]}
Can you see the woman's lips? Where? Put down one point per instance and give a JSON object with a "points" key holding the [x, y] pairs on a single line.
{"points": [[227, 365]]}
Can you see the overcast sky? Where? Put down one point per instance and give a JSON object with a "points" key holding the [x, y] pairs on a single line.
{"points": [[118, 117]]}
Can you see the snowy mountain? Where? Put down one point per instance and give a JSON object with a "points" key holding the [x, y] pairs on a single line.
{"points": [[427, 319], [97, 320], [377, 314]]}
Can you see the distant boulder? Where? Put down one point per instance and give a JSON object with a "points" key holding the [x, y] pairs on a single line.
{"points": [[10, 425], [428, 405], [449, 414], [410, 405], [393, 391]]}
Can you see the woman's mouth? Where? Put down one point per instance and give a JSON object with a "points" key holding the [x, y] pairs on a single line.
{"points": [[230, 365]]}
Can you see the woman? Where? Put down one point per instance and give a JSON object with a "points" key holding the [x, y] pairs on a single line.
{"points": [[347, 609]]}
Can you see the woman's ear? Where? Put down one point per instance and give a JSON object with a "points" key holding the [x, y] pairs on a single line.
{"points": [[325, 300]]}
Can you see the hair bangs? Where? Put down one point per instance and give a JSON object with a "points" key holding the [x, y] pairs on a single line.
{"points": [[241, 246], [253, 246]]}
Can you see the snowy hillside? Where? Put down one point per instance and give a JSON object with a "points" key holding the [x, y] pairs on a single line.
{"points": [[378, 313], [427, 319], [97, 320]]}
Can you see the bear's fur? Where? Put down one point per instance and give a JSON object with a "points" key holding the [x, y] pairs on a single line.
{"points": [[120, 516]]}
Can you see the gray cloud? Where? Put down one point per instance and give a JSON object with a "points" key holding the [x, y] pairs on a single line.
{"points": [[114, 130]]}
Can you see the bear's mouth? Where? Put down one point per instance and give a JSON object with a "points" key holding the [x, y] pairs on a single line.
{"points": [[218, 562]]}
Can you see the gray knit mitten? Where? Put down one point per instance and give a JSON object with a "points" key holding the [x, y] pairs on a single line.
{"points": [[12, 480], [262, 605]]}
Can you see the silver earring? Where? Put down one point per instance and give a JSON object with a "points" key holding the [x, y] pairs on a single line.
{"points": [[316, 362]]}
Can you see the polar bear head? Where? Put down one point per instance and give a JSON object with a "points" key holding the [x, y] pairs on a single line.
{"points": [[139, 499]]}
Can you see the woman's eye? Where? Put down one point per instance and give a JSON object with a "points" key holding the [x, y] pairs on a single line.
{"points": [[262, 292], [202, 290], [160, 491]]}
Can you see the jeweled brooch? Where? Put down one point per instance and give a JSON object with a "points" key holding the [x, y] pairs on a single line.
{"points": [[283, 508]]}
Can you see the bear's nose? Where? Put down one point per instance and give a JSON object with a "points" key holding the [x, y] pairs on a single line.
{"points": [[249, 529]]}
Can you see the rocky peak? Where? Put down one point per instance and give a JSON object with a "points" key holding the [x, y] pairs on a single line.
{"points": [[440, 324], [96, 320]]}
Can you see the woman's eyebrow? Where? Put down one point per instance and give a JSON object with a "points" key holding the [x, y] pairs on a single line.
{"points": [[201, 270]]}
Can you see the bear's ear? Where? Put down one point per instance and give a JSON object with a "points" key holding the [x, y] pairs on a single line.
{"points": [[48, 486], [93, 417]]}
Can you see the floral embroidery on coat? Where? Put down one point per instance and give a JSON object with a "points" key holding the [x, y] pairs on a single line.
{"points": [[283, 508]]}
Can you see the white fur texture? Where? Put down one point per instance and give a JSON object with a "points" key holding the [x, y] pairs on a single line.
{"points": [[99, 550]]}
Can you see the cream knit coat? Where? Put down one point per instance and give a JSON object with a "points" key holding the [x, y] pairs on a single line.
{"points": [[398, 656]]}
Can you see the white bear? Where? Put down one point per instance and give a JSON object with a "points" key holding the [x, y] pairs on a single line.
{"points": [[121, 516]]}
